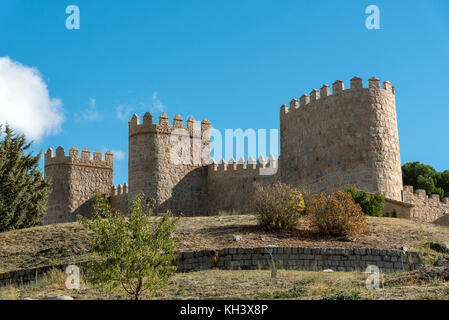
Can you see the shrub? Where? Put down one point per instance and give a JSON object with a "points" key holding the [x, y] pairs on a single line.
{"points": [[336, 214], [371, 204], [129, 252], [277, 206]]}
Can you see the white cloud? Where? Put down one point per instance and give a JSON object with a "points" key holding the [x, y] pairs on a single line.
{"points": [[25, 103], [118, 154], [157, 105], [89, 114], [123, 112]]}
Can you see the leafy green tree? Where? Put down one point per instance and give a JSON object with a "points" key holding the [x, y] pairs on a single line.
{"points": [[371, 204], [129, 252], [443, 182], [23, 189], [423, 176]]}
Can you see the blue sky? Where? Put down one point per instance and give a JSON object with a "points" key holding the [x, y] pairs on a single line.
{"points": [[234, 62]]}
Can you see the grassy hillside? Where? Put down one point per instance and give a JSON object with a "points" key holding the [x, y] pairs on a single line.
{"points": [[70, 242], [255, 284]]}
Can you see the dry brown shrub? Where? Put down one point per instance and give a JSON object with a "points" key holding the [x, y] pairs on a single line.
{"points": [[277, 206], [336, 214]]}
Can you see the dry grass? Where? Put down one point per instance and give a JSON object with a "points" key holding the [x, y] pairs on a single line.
{"points": [[69, 242], [237, 284]]}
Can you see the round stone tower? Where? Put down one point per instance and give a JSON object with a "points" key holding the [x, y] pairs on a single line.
{"points": [[347, 138], [165, 163]]}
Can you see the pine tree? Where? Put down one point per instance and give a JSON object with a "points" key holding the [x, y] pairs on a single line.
{"points": [[23, 189]]}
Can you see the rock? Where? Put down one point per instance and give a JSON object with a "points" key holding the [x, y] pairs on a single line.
{"points": [[236, 238], [442, 247], [346, 239], [328, 270], [404, 248], [58, 298], [185, 243]]}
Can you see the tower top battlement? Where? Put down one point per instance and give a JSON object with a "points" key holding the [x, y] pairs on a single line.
{"points": [[338, 88], [73, 158], [163, 126]]}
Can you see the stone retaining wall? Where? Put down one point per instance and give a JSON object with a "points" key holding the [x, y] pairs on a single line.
{"points": [[299, 259], [313, 259]]}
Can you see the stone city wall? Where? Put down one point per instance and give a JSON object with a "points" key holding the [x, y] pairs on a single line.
{"points": [[231, 185], [425, 208], [118, 198], [402, 209]]}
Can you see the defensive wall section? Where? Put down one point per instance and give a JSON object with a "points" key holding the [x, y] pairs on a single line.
{"points": [[425, 208], [232, 184], [417, 205], [118, 198]]}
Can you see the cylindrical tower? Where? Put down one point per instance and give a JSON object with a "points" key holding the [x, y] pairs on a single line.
{"points": [[349, 138], [165, 163]]}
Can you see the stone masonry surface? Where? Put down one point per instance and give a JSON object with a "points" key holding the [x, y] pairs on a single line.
{"points": [[425, 208], [73, 181]]}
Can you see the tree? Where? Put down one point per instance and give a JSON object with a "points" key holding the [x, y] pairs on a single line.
{"points": [[423, 176], [23, 189], [129, 252]]}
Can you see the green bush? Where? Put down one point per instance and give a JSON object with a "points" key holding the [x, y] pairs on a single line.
{"points": [[277, 206], [372, 205], [129, 252]]}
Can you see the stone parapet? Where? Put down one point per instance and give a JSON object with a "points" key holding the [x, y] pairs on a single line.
{"points": [[425, 208]]}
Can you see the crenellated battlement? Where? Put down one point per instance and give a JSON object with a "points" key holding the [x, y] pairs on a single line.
{"points": [[250, 166], [163, 126], [338, 89], [119, 190], [421, 194], [425, 208], [73, 158]]}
